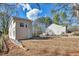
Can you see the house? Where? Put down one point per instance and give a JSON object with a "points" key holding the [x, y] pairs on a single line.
{"points": [[20, 28], [55, 29]]}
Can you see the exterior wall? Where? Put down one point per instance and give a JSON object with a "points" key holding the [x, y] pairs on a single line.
{"points": [[29, 25], [23, 32]]}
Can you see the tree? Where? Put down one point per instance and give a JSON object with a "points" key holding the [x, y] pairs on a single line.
{"points": [[65, 12], [5, 12], [56, 19], [53, 11], [45, 20], [63, 15], [64, 18], [76, 9], [4, 23]]}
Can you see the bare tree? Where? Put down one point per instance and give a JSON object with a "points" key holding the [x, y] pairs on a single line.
{"points": [[5, 12]]}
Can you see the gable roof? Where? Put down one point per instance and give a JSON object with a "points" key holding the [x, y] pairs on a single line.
{"points": [[21, 19]]}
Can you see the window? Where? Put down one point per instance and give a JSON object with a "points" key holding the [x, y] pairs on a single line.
{"points": [[26, 25], [21, 24]]}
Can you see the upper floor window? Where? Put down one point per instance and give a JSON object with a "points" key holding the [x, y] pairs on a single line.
{"points": [[21, 24]]}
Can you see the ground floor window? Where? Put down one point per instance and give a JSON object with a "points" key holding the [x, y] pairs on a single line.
{"points": [[21, 24]]}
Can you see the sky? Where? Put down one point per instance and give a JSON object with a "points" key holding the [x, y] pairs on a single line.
{"points": [[32, 11]]}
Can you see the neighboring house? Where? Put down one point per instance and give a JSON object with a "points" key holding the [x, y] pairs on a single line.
{"points": [[20, 28], [55, 29]]}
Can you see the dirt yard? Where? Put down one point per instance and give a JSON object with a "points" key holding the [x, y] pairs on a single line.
{"points": [[55, 46]]}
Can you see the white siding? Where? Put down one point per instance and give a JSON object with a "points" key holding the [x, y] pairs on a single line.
{"points": [[12, 30]]}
